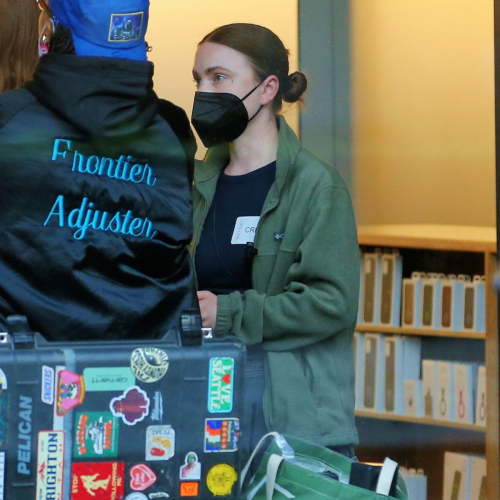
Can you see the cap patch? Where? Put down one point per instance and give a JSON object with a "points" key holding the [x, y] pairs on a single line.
{"points": [[126, 27]]}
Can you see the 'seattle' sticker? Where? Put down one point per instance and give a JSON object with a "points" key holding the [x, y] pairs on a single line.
{"points": [[220, 387]]}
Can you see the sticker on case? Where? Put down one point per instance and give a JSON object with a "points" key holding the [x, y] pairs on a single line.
{"points": [[157, 412], [141, 477], [2, 475], [70, 392], [160, 442], [97, 480], [190, 489], [48, 385], [50, 465], [220, 386], [149, 364], [137, 495], [3, 380], [132, 407], [220, 479], [191, 470], [3, 417], [221, 435], [96, 435], [108, 379]]}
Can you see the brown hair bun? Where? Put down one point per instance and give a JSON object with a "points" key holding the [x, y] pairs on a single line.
{"points": [[297, 85]]}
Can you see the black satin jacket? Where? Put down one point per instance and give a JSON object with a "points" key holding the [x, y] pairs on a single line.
{"points": [[95, 205]]}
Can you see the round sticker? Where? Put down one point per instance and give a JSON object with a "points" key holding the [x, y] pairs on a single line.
{"points": [[220, 480], [149, 364], [136, 496]]}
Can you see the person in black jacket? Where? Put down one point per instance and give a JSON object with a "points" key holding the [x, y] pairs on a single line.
{"points": [[95, 205]]}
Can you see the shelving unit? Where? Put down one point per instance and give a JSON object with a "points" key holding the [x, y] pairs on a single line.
{"points": [[445, 244], [421, 332], [418, 420]]}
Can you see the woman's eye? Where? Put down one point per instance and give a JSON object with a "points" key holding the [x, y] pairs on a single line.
{"points": [[219, 78], [197, 81]]}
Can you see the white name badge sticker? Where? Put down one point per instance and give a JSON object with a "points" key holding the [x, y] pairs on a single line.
{"points": [[244, 230]]}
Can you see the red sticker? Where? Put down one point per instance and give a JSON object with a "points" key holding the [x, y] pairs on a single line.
{"points": [[70, 392], [132, 406], [141, 477], [97, 481]]}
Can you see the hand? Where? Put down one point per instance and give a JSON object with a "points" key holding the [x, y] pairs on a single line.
{"points": [[208, 308]]}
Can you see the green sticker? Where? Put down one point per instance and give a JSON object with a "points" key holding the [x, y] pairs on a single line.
{"points": [[96, 435], [108, 379], [220, 385]]}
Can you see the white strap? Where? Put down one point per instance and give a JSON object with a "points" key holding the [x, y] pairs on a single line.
{"points": [[273, 466], [256, 488], [386, 477], [244, 472]]}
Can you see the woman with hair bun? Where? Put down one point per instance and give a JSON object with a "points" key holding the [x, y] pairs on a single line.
{"points": [[275, 245]]}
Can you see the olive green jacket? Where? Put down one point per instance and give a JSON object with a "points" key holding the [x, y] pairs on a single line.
{"points": [[303, 305]]}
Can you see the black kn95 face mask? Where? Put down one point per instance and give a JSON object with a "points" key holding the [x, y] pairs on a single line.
{"points": [[220, 117]]}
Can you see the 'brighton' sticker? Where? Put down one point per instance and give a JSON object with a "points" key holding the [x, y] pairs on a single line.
{"points": [[220, 386], [50, 468]]}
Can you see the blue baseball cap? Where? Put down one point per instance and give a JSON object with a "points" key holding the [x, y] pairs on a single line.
{"points": [[105, 28]]}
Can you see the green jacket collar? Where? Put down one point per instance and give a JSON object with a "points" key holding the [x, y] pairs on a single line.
{"points": [[216, 159]]}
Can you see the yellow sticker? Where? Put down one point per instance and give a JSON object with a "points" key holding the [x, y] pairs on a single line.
{"points": [[220, 480], [149, 364]]}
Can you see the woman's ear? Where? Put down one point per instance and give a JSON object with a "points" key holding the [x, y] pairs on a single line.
{"points": [[270, 87], [46, 26]]}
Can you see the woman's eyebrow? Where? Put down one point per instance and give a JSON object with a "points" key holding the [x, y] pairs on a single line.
{"points": [[217, 68], [211, 70]]}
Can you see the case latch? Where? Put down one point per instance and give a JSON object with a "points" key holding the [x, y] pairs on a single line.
{"points": [[191, 328], [21, 333]]}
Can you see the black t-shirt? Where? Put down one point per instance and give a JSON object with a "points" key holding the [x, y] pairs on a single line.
{"points": [[221, 264]]}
